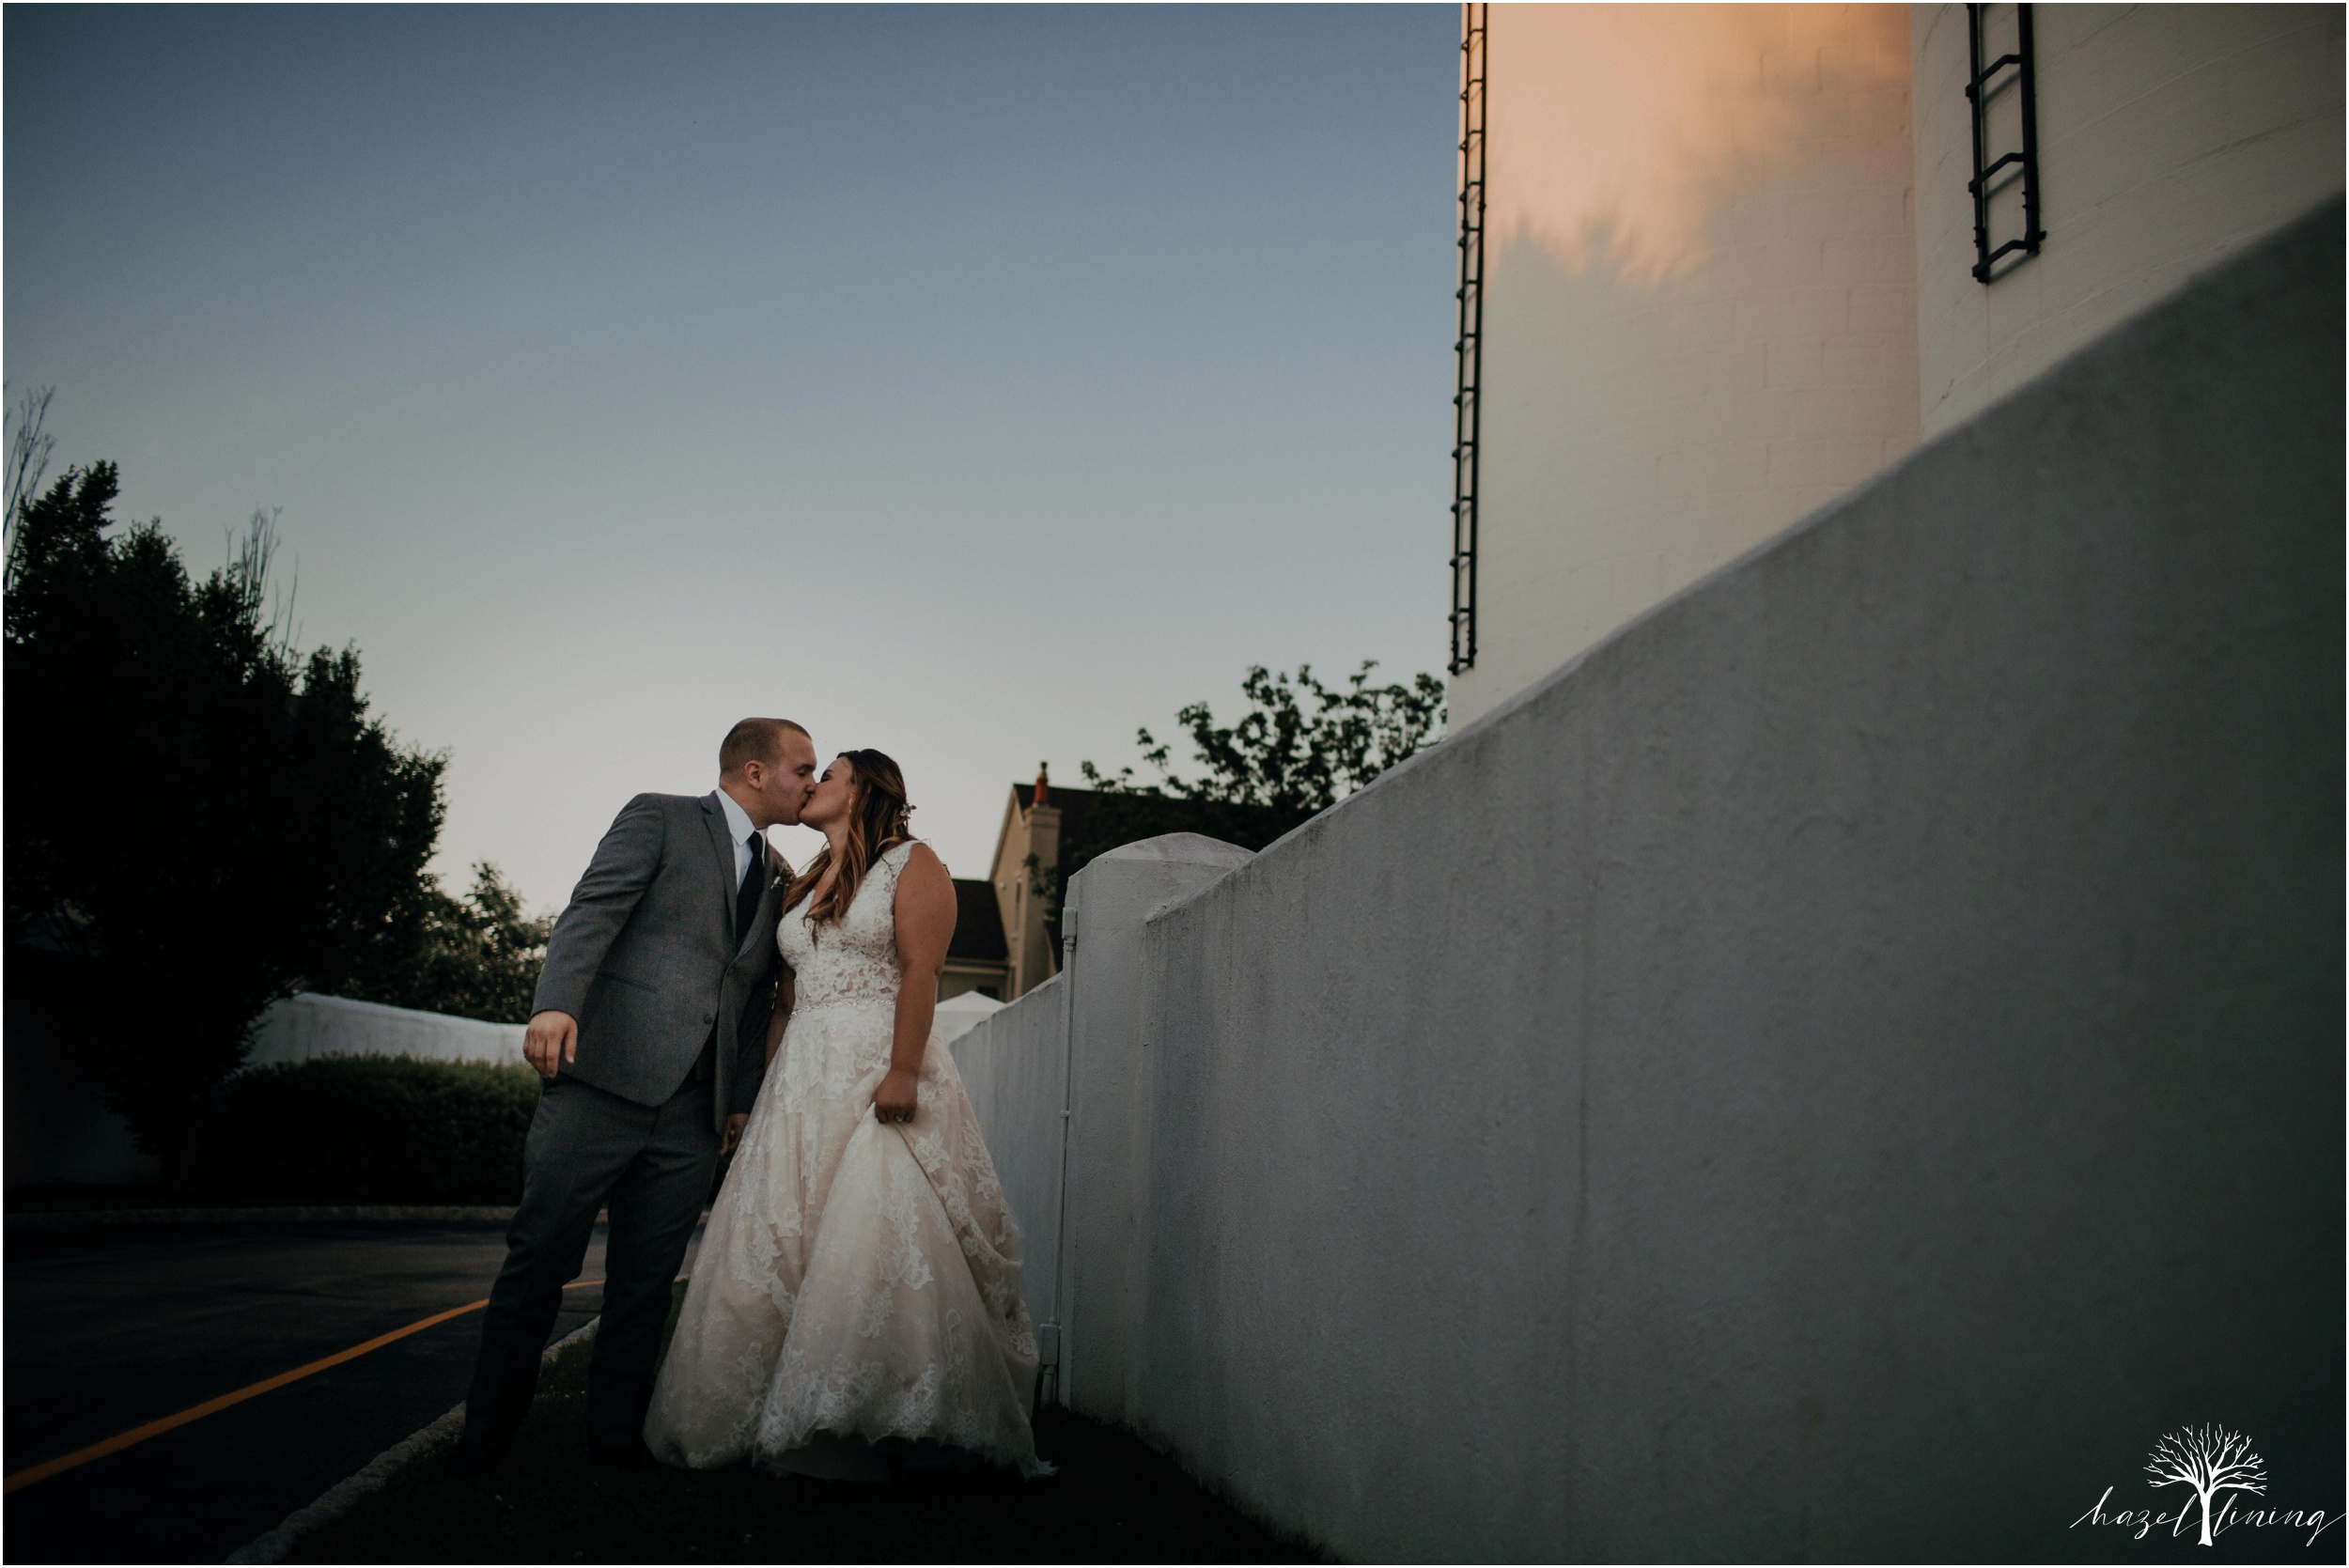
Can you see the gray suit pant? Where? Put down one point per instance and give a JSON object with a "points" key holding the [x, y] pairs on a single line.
{"points": [[589, 1148]]}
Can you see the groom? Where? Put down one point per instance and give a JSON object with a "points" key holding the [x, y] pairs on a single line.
{"points": [[649, 1026]]}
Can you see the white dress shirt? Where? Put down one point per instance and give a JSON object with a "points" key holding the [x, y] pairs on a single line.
{"points": [[740, 829]]}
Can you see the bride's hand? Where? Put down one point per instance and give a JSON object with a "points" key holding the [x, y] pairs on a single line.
{"points": [[894, 1101]]}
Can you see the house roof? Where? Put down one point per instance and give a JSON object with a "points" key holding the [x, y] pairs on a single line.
{"points": [[1076, 812], [1093, 821]]}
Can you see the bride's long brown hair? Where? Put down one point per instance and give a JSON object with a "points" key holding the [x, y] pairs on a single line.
{"points": [[879, 821]]}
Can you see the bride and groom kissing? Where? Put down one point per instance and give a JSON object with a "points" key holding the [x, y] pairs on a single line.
{"points": [[854, 1310]]}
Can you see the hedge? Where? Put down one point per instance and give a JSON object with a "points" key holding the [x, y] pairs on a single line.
{"points": [[375, 1129]]}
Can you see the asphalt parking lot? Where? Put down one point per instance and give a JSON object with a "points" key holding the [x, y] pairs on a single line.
{"points": [[112, 1326]]}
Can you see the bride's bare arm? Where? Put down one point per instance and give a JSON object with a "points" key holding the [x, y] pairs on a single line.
{"points": [[925, 924]]}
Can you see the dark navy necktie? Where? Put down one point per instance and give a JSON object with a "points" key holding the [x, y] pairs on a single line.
{"points": [[753, 885]]}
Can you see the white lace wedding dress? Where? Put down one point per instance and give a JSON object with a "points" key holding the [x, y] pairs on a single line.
{"points": [[857, 1282]]}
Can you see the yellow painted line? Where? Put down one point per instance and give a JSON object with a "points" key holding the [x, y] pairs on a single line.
{"points": [[197, 1412]]}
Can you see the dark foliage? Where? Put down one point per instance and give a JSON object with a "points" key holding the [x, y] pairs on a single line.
{"points": [[204, 814], [375, 1129], [478, 957], [1301, 748], [1113, 817]]}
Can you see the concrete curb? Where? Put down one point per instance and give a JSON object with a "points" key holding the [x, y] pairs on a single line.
{"points": [[67, 1218], [375, 1474]]}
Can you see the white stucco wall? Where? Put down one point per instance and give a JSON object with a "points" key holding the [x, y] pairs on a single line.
{"points": [[960, 1014], [1726, 284], [1101, 1306], [2169, 137], [1699, 319], [1834, 1072], [1092, 1161], [1014, 1066]]}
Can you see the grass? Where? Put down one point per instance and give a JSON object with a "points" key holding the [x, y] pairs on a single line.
{"points": [[1114, 1501]]}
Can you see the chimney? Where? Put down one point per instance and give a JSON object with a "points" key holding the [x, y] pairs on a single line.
{"points": [[1043, 783]]}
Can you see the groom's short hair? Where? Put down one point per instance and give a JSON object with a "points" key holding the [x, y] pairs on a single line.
{"points": [[754, 740]]}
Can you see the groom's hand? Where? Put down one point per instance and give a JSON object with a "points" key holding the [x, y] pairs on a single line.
{"points": [[734, 1135], [551, 1040]]}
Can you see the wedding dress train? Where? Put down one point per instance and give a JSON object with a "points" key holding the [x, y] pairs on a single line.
{"points": [[857, 1282]]}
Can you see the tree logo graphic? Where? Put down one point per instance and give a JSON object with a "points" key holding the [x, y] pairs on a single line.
{"points": [[2210, 1459]]}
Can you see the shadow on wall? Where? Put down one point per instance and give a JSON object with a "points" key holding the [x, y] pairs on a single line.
{"points": [[1701, 322], [1624, 134]]}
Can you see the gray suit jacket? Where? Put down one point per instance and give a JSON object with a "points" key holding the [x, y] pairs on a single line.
{"points": [[647, 959]]}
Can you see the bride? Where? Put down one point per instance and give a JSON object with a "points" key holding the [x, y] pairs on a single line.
{"points": [[856, 1297]]}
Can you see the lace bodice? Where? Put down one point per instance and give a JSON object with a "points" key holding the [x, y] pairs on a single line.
{"points": [[855, 960], [857, 1281]]}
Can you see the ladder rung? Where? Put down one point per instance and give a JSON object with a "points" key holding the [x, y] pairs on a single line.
{"points": [[1992, 69], [1974, 187]]}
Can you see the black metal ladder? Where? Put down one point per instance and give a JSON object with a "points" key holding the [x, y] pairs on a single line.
{"points": [[1983, 83], [1466, 422]]}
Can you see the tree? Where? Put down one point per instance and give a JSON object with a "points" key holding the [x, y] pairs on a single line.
{"points": [[199, 815], [1301, 748], [2210, 1459], [478, 957], [30, 448]]}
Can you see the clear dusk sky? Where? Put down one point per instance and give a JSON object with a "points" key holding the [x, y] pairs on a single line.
{"points": [[976, 384]]}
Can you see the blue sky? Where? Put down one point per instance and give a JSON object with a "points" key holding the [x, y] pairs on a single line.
{"points": [[974, 383]]}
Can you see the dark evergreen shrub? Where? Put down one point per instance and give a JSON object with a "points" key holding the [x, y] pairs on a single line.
{"points": [[375, 1129]]}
